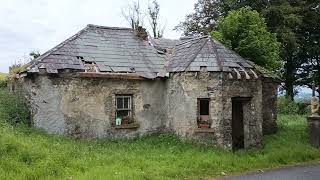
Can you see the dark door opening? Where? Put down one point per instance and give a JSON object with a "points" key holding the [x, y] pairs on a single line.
{"points": [[237, 123]]}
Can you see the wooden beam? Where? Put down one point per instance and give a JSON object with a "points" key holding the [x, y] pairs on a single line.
{"points": [[127, 76]]}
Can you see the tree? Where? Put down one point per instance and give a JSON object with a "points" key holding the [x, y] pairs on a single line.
{"points": [[309, 31], [283, 17], [154, 17], [245, 32], [133, 14], [204, 19], [229, 5]]}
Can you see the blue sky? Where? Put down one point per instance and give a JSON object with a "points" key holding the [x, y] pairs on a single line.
{"points": [[42, 24]]}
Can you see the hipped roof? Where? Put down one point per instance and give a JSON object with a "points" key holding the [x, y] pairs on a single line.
{"points": [[119, 50]]}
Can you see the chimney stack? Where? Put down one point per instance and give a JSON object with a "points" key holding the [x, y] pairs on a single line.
{"points": [[141, 33]]}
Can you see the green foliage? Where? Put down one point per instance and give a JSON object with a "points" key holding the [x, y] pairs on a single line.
{"points": [[287, 106], [13, 109], [309, 45], [3, 80], [283, 17], [21, 66], [16, 69], [246, 32], [28, 153], [203, 19]]}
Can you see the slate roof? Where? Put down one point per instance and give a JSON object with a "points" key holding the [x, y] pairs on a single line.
{"points": [[112, 49], [204, 51], [162, 43], [118, 50]]}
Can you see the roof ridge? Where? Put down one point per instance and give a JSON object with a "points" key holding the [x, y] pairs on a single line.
{"points": [[213, 45], [192, 39], [196, 54], [108, 27]]}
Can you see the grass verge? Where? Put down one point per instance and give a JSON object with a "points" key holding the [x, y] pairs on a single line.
{"points": [[27, 153]]}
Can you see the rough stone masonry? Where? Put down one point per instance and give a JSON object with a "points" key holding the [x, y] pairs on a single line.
{"points": [[189, 87]]}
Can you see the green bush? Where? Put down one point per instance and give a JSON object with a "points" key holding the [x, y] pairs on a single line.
{"points": [[13, 109], [286, 106], [3, 80]]}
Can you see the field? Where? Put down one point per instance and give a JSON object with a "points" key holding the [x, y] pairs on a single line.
{"points": [[27, 153]]}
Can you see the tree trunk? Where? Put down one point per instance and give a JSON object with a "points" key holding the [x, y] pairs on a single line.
{"points": [[289, 90]]}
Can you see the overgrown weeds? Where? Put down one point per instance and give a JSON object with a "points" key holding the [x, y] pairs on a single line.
{"points": [[3, 80], [13, 109], [287, 106], [28, 153]]}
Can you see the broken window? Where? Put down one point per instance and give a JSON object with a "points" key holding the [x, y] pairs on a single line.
{"points": [[203, 113], [123, 109]]}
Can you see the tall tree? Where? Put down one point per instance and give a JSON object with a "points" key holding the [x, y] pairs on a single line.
{"points": [[245, 31], [133, 14], [283, 18], [309, 73], [154, 18], [229, 5], [204, 18]]}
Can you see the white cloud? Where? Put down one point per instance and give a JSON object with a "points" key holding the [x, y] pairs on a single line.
{"points": [[42, 24]]}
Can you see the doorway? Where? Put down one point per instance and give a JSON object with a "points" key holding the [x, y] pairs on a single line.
{"points": [[237, 122]]}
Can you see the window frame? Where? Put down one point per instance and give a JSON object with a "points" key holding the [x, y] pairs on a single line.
{"points": [[122, 96]]}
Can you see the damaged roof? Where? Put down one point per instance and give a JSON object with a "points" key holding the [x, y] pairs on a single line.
{"points": [[204, 51], [120, 50], [112, 49]]}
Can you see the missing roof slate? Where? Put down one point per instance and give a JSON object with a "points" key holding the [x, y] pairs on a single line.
{"points": [[113, 49]]}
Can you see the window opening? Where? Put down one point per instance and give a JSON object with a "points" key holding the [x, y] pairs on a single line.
{"points": [[203, 113], [123, 109]]}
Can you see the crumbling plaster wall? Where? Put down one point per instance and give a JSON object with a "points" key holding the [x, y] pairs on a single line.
{"points": [[84, 107], [183, 91], [185, 88]]}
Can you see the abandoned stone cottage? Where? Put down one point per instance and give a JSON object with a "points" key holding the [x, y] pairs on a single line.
{"points": [[117, 83]]}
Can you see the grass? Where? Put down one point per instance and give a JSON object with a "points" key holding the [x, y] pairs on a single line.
{"points": [[3, 77], [28, 153]]}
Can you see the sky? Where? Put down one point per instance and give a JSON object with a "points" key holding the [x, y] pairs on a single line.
{"points": [[42, 24]]}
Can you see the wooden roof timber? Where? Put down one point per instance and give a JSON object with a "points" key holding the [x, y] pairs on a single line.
{"points": [[127, 76]]}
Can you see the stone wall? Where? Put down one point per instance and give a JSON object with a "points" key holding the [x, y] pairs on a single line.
{"points": [[84, 107], [252, 110], [184, 89], [269, 105]]}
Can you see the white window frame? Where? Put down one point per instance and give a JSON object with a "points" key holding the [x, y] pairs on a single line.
{"points": [[124, 109]]}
